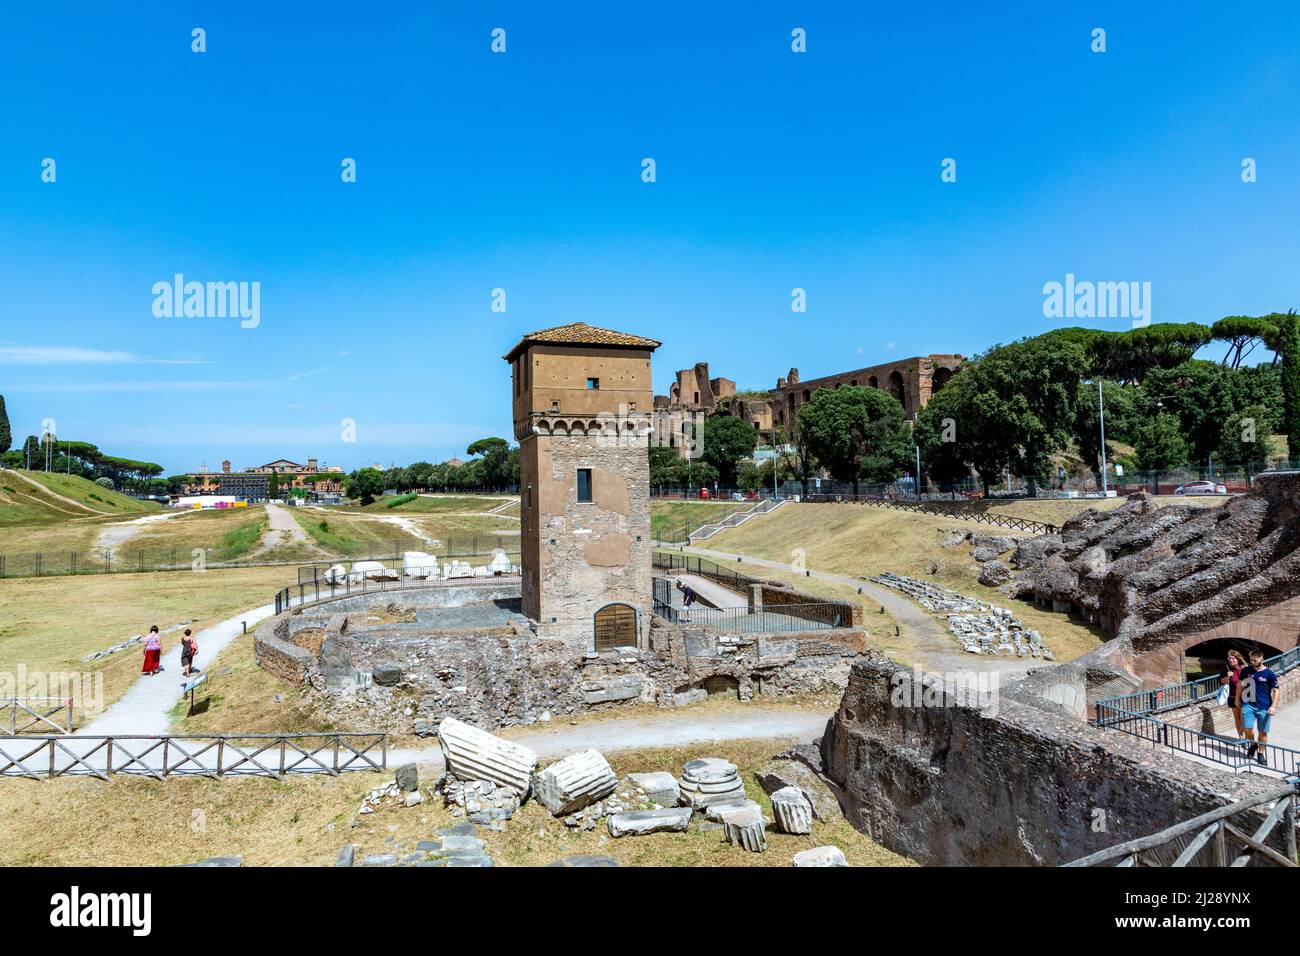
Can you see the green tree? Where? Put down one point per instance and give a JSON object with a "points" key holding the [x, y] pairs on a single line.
{"points": [[855, 432], [1199, 394], [1158, 443], [727, 440], [365, 484], [943, 459], [1288, 347], [31, 452], [497, 468], [273, 486], [1245, 443], [6, 436], [663, 464], [1243, 333]]}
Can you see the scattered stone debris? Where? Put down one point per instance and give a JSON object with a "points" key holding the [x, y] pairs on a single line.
{"points": [[792, 811], [347, 855], [408, 777], [641, 822], [746, 828], [219, 861], [132, 642], [576, 781], [979, 627], [710, 780], [660, 787], [581, 860], [820, 856], [483, 798], [781, 772], [474, 754]]}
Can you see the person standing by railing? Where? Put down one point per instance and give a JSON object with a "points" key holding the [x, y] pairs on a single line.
{"points": [[1230, 678], [1258, 696]]}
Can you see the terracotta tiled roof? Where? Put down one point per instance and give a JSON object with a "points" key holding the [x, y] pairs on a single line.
{"points": [[580, 333]]}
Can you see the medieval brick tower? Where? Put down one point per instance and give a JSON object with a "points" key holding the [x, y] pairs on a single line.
{"points": [[583, 414]]}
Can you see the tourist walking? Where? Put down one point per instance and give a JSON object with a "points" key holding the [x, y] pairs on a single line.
{"points": [[152, 652], [1230, 681], [189, 648], [688, 598], [1258, 704]]}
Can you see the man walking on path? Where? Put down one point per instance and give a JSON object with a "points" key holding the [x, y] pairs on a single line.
{"points": [[152, 652], [189, 648], [1258, 695]]}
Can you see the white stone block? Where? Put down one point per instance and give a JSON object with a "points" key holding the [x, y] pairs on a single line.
{"points": [[474, 754], [576, 781]]}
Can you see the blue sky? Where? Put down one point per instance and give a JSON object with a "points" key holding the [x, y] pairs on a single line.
{"points": [[522, 171]]}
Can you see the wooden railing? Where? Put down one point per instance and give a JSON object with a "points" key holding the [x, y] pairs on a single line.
{"points": [[1210, 840], [208, 755], [37, 715]]}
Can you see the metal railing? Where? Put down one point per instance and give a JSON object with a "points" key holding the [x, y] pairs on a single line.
{"points": [[36, 712], [208, 755], [307, 593], [690, 564], [1203, 840], [757, 620], [1173, 696], [1230, 752]]}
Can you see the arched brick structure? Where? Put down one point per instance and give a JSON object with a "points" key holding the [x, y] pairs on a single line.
{"points": [[912, 381], [1275, 626]]}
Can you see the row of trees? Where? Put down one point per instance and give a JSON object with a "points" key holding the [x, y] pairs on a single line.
{"points": [[493, 466], [1016, 407]]}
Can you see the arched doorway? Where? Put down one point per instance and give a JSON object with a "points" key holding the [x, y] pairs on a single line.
{"points": [[897, 388], [1208, 657], [615, 626], [939, 379]]}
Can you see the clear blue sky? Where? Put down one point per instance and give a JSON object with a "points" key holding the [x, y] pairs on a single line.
{"points": [[522, 171]]}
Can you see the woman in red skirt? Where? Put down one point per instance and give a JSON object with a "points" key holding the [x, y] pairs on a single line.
{"points": [[152, 652]]}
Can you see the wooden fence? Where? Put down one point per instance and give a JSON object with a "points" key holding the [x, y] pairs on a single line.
{"points": [[37, 715], [208, 755], [1212, 839]]}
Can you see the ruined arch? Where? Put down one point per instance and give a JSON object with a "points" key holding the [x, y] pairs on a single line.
{"points": [[898, 388]]}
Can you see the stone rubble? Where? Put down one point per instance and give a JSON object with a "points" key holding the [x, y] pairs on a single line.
{"points": [[710, 780], [820, 856], [792, 811], [641, 822], [746, 828], [576, 781], [474, 754], [979, 627]]}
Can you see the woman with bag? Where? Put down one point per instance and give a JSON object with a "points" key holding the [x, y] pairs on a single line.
{"points": [[1230, 688]]}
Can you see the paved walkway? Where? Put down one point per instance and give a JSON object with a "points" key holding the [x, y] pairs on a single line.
{"points": [[146, 707]]}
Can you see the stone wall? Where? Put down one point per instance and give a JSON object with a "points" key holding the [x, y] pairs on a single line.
{"points": [[385, 664], [950, 784]]}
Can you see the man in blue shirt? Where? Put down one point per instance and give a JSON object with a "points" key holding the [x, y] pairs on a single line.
{"points": [[1258, 703]]}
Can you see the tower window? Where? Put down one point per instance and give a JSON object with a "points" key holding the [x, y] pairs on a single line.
{"points": [[593, 384], [584, 484]]}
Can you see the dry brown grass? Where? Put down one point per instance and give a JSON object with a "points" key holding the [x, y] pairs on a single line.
{"points": [[304, 820], [863, 541], [51, 623]]}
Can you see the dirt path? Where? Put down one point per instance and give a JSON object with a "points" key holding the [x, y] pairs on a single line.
{"points": [[113, 536], [50, 492], [281, 524], [936, 650]]}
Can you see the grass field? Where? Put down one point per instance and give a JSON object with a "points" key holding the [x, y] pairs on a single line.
{"points": [[863, 541], [305, 819], [57, 498], [674, 520], [352, 533], [49, 624], [444, 504]]}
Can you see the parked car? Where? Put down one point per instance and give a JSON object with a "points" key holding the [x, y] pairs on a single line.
{"points": [[1201, 488], [737, 496], [704, 493]]}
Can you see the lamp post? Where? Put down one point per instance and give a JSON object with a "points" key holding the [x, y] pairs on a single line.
{"points": [[1101, 411]]}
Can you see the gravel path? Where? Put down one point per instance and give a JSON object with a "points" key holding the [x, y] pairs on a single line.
{"points": [[935, 649]]}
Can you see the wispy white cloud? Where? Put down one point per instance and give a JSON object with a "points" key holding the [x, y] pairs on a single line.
{"points": [[179, 385], [301, 375], [13, 354]]}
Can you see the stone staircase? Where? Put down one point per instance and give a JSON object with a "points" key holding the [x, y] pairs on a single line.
{"points": [[766, 506]]}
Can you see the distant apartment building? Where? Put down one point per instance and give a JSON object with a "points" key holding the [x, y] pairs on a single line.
{"points": [[254, 483]]}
